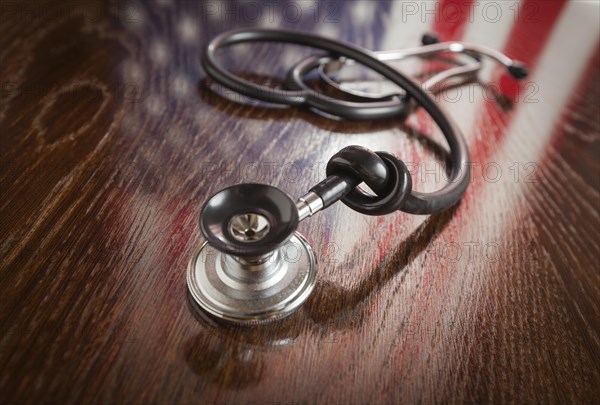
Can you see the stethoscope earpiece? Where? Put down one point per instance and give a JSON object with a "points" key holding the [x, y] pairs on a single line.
{"points": [[518, 70], [429, 39]]}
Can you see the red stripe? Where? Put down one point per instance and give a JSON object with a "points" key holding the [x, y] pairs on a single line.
{"points": [[451, 19], [450, 23]]}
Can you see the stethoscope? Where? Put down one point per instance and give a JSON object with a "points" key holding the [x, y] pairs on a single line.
{"points": [[254, 266]]}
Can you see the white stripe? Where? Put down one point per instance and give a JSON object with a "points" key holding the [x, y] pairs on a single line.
{"points": [[562, 64], [484, 30]]}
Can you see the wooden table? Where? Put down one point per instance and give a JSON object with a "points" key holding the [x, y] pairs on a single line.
{"points": [[112, 138]]}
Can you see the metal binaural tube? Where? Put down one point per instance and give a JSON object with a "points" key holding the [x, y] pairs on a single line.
{"points": [[517, 69], [433, 49]]}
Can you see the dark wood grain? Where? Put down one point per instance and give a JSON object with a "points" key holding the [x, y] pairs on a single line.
{"points": [[112, 137]]}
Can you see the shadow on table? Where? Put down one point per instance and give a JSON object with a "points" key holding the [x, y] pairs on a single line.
{"points": [[230, 354]]}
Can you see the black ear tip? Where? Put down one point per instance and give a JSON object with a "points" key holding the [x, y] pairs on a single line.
{"points": [[518, 70], [429, 39]]}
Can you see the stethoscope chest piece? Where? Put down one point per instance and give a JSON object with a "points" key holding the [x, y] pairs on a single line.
{"points": [[254, 267]]}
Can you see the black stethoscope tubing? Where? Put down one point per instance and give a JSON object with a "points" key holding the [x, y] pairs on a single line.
{"points": [[417, 203], [381, 108]]}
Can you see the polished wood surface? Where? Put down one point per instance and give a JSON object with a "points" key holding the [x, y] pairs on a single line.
{"points": [[112, 138]]}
